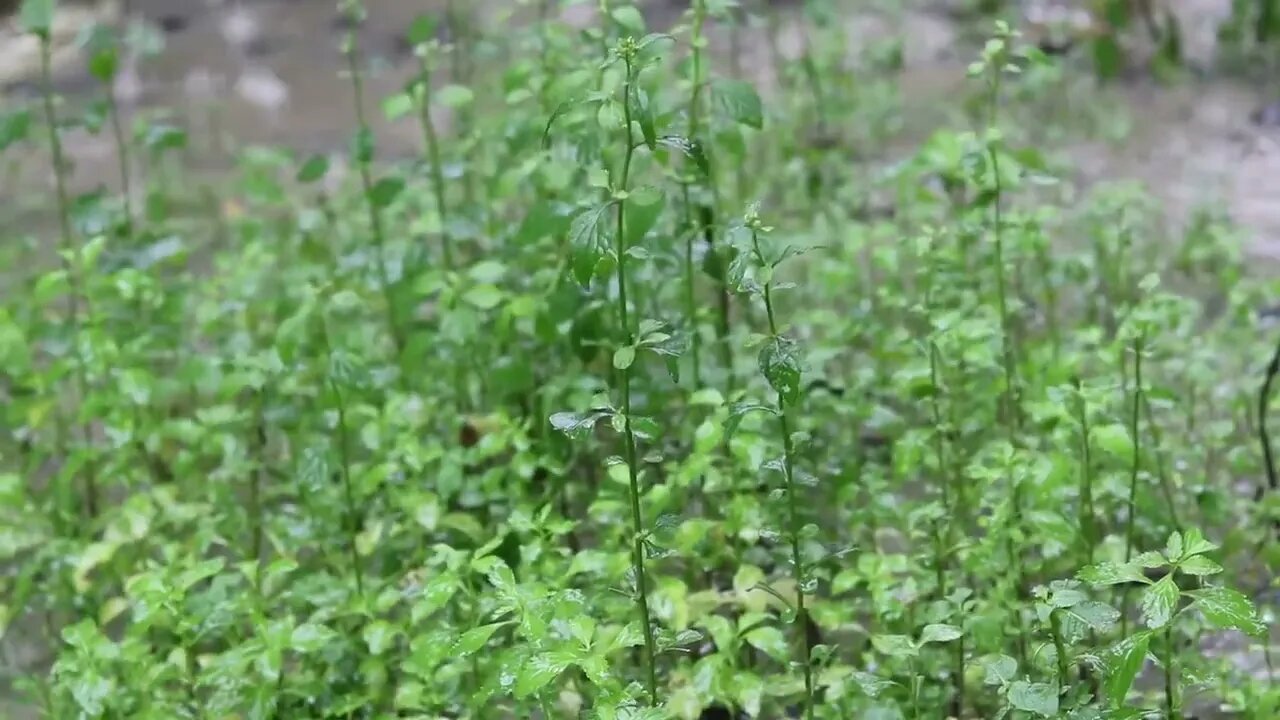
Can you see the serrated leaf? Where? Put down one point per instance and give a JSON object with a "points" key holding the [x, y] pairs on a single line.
{"points": [[739, 101], [870, 685], [1159, 602], [475, 638], [586, 240], [1107, 573], [537, 673], [1194, 543], [1226, 608], [781, 367], [1038, 698], [1123, 661], [999, 670], [1098, 616], [939, 633], [1199, 565]]}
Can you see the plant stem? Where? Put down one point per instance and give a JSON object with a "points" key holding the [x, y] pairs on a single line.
{"points": [[1171, 710], [1130, 511], [432, 141], [793, 502], [637, 518], [1087, 518], [364, 160], [122, 156], [697, 42], [1060, 649], [70, 265]]}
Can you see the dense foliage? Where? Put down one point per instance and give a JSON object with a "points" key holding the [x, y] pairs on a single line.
{"points": [[642, 394]]}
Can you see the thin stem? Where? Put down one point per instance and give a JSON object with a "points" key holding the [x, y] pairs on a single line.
{"points": [[122, 156], [352, 520], [364, 160], [637, 518], [793, 502], [70, 264], [1130, 511], [697, 42], [1060, 649], [1087, 518], [1171, 710], [432, 141]]}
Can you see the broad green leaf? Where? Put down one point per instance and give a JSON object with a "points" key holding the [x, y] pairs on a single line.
{"points": [[587, 242], [36, 16], [624, 356], [1194, 543], [1159, 602], [1000, 670], [1100, 617], [642, 214], [1038, 698], [14, 127], [938, 633], [484, 297], [422, 29], [385, 191], [739, 101], [310, 637], [537, 673], [771, 641], [870, 685], [315, 167], [455, 96], [1107, 573], [1113, 439], [475, 638], [1199, 565], [397, 106], [378, 636], [1227, 608], [1123, 661], [629, 18], [781, 367], [894, 645], [575, 424]]}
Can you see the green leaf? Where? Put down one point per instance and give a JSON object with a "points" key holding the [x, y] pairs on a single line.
{"points": [[781, 367], [1194, 543], [484, 297], [939, 633], [1123, 661], [537, 673], [894, 645], [739, 101], [869, 684], [1038, 698], [1199, 565], [1227, 608], [624, 356], [587, 242], [629, 18], [1159, 602], [1000, 670], [1113, 439], [769, 640], [378, 636], [1099, 616], [14, 127], [422, 29], [385, 191], [455, 96], [643, 210], [475, 638], [1107, 573], [397, 106], [644, 116], [575, 424], [316, 167], [310, 637], [691, 149], [36, 16]]}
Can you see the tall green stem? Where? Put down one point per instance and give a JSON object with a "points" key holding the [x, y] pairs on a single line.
{"points": [[633, 474], [696, 43], [432, 142], [70, 265], [1087, 518], [364, 162], [1130, 509], [793, 502]]}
